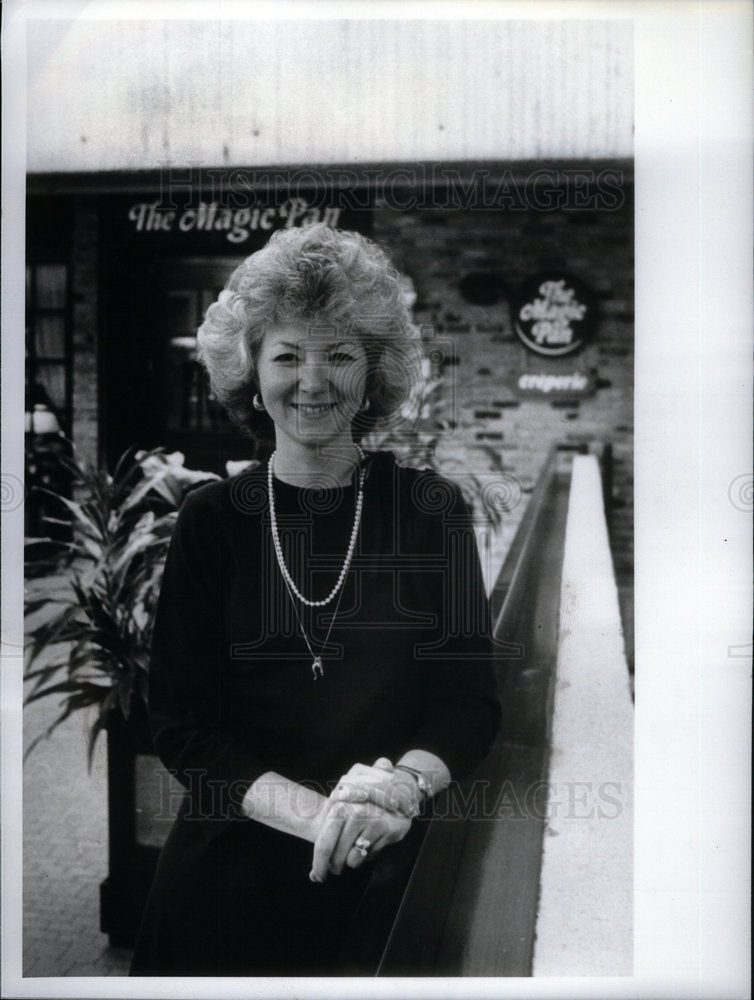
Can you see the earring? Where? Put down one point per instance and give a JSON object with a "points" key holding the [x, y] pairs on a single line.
{"points": [[257, 402], [365, 405]]}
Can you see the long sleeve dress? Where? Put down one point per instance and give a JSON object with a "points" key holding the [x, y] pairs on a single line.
{"points": [[233, 695]]}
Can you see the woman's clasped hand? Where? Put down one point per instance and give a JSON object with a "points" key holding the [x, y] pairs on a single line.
{"points": [[369, 808]]}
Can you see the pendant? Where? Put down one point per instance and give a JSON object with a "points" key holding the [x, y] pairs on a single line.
{"points": [[317, 665]]}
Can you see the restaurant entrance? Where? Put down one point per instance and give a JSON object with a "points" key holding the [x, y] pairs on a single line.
{"points": [[187, 416], [160, 396]]}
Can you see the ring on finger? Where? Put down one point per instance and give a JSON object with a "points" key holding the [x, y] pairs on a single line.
{"points": [[362, 845]]}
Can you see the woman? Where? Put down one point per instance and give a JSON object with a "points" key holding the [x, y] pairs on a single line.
{"points": [[321, 618]]}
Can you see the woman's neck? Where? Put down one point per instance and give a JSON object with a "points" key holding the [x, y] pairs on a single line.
{"points": [[331, 464]]}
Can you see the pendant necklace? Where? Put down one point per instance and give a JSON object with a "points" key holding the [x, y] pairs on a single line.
{"points": [[317, 668]]}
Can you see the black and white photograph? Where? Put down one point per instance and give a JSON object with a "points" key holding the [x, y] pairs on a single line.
{"points": [[353, 630]]}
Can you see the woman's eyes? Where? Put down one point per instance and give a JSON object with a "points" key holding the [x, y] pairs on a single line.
{"points": [[337, 357]]}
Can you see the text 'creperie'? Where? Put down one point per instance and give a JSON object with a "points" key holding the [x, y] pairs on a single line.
{"points": [[237, 223], [576, 382]]}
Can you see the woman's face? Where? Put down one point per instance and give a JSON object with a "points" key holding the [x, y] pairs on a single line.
{"points": [[312, 384]]}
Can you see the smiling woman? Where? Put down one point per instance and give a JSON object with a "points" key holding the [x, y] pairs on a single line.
{"points": [[313, 388], [321, 664], [330, 289]]}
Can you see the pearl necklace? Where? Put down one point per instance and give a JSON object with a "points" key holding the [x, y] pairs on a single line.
{"points": [[279, 550], [317, 668]]}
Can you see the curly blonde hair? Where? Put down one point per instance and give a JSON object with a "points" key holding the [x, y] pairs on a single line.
{"points": [[325, 277]]}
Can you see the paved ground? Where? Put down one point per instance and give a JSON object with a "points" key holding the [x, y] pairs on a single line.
{"points": [[65, 853], [64, 845]]}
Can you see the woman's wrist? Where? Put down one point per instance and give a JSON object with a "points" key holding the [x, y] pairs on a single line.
{"points": [[286, 806], [421, 784], [427, 769], [401, 788]]}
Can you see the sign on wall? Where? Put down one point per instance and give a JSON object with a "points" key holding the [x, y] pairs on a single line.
{"points": [[553, 314], [221, 222], [553, 386], [235, 224]]}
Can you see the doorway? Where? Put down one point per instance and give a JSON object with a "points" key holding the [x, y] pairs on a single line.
{"points": [[157, 394]]}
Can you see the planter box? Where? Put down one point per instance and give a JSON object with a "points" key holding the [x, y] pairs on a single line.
{"points": [[142, 799]]}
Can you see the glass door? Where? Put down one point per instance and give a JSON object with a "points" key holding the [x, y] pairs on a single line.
{"points": [[189, 417]]}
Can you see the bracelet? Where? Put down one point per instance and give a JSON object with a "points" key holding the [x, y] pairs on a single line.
{"points": [[418, 777]]}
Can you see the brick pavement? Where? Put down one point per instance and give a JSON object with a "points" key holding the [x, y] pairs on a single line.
{"points": [[64, 852]]}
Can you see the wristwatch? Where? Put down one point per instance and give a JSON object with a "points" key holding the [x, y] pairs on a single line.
{"points": [[418, 777]]}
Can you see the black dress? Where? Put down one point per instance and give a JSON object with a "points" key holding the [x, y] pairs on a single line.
{"points": [[232, 695]]}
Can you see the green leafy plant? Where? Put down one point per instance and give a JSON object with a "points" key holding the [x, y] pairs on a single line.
{"points": [[89, 642]]}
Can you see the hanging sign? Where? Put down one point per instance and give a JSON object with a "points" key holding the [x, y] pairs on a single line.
{"points": [[553, 314]]}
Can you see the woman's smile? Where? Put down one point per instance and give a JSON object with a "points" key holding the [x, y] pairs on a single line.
{"points": [[312, 384], [313, 409]]}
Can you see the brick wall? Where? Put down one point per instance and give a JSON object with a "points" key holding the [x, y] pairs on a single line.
{"points": [[493, 429]]}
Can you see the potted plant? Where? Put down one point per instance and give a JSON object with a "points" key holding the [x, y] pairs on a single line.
{"points": [[99, 626], [88, 638]]}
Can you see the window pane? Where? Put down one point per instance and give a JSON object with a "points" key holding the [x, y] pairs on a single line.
{"points": [[50, 337], [181, 314], [182, 370], [52, 377], [51, 282]]}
